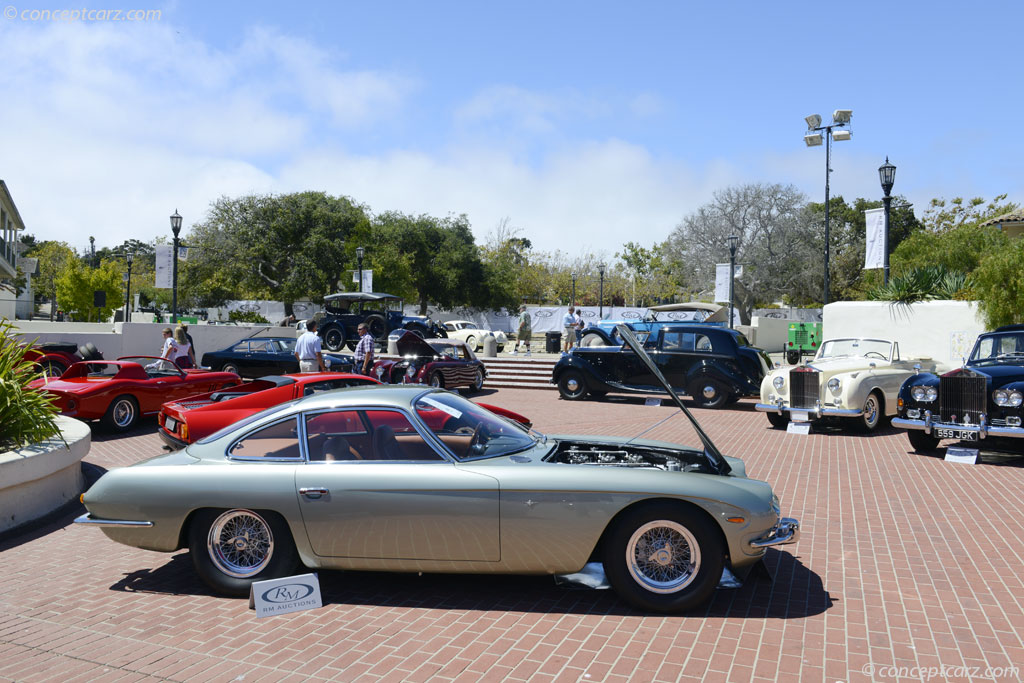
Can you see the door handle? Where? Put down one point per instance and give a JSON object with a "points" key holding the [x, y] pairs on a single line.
{"points": [[313, 492]]}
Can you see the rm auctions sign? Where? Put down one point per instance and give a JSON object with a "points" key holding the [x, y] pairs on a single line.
{"points": [[284, 595]]}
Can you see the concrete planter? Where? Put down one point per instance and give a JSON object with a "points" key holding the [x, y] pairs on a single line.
{"points": [[39, 478]]}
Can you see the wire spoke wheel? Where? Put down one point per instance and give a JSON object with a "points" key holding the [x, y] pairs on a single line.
{"points": [[663, 556], [240, 543]]}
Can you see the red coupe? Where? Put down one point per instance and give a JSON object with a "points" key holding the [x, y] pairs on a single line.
{"points": [[121, 391], [186, 421]]}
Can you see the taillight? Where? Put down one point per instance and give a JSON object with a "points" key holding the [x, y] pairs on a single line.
{"points": [[160, 419], [184, 431]]}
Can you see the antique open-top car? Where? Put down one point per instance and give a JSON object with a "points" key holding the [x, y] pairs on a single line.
{"points": [[415, 479], [980, 403], [474, 335], [444, 363], [714, 365], [856, 380], [120, 392], [382, 314]]}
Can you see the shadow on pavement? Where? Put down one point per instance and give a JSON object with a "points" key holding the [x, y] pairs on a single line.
{"points": [[57, 520], [796, 592]]}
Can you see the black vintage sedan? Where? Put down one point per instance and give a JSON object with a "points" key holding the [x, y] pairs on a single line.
{"points": [[259, 356], [978, 403], [714, 365]]}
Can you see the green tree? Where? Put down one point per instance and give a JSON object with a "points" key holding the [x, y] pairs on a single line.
{"points": [[53, 257], [647, 273], [942, 216], [998, 285], [77, 282]]}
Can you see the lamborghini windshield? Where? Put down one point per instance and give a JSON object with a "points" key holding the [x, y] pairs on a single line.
{"points": [[468, 430]]}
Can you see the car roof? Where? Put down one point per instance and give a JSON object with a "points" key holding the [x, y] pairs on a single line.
{"points": [[360, 296]]}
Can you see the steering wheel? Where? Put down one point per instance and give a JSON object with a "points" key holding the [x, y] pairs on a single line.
{"points": [[480, 437], [874, 353]]}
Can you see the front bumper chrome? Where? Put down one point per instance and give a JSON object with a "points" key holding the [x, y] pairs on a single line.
{"points": [[817, 410], [785, 532], [928, 425], [88, 520]]}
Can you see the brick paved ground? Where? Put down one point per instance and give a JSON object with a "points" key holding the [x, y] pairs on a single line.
{"points": [[905, 561]]}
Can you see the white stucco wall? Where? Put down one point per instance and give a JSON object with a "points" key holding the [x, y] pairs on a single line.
{"points": [[942, 330]]}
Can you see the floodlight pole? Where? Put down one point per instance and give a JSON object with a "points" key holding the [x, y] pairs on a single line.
{"points": [[828, 171]]}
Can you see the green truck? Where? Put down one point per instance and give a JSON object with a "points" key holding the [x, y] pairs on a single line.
{"points": [[803, 338]]}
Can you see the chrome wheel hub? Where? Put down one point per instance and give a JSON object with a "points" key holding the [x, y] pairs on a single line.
{"points": [[709, 391], [663, 556], [572, 385], [240, 543]]}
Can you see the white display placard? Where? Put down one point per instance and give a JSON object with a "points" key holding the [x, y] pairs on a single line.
{"points": [[967, 456], [652, 402], [798, 428], [285, 595]]}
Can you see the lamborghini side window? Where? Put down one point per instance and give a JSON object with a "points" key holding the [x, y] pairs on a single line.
{"points": [[278, 441]]}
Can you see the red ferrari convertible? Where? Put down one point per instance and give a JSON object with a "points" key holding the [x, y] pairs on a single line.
{"points": [[186, 421], [121, 391]]}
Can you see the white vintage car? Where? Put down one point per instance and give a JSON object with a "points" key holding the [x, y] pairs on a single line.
{"points": [[473, 335], [857, 379]]}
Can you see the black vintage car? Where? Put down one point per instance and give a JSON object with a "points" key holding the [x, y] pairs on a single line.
{"points": [[980, 402], [382, 313], [714, 365], [259, 356]]}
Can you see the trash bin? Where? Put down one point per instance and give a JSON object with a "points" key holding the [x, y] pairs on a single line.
{"points": [[552, 342]]}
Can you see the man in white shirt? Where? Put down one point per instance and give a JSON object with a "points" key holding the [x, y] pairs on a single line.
{"points": [[569, 330], [308, 350]]}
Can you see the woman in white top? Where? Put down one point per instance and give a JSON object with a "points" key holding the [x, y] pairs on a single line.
{"points": [[183, 356]]}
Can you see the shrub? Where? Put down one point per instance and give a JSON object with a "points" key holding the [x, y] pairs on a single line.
{"points": [[26, 415], [248, 317]]}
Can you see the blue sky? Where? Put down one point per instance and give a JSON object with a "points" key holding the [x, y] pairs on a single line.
{"points": [[586, 124]]}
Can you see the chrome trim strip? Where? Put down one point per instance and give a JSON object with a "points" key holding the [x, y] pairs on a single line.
{"points": [[833, 412], [785, 532], [88, 520], [982, 430]]}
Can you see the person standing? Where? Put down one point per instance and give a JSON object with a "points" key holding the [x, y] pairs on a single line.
{"points": [[168, 351], [364, 350], [182, 349], [525, 330], [191, 345], [569, 330], [308, 350], [578, 327]]}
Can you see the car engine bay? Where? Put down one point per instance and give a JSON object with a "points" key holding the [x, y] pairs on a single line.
{"points": [[613, 455]]}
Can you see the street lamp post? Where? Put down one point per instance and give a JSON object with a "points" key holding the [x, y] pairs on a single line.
{"points": [[733, 239], [816, 134], [360, 252], [887, 175], [600, 296], [129, 257], [573, 300], [175, 228]]}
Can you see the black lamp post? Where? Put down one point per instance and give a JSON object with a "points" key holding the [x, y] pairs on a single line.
{"points": [[129, 257], [733, 239], [360, 252], [175, 228], [573, 300], [816, 134], [887, 176], [600, 296]]}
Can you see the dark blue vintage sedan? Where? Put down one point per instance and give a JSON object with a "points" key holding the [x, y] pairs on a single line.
{"points": [[261, 356], [714, 365]]}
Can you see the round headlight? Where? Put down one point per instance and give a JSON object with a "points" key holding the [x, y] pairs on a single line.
{"points": [[917, 393], [380, 371], [1014, 399], [779, 382], [833, 385], [930, 393], [410, 371], [1001, 397]]}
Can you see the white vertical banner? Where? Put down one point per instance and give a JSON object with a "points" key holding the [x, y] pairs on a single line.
{"points": [[722, 282], [874, 252], [164, 265], [367, 280]]}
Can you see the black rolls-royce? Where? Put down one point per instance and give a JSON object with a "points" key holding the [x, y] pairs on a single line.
{"points": [[714, 365], [978, 403]]}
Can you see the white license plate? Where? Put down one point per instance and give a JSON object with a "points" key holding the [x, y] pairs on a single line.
{"points": [[961, 434], [171, 424], [798, 416]]}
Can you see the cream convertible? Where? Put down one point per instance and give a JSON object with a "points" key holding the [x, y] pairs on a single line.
{"points": [[408, 478], [857, 379]]}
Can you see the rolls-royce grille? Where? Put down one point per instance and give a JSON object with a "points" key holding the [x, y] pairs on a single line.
{"points": [[804, 390], [961, 396]]}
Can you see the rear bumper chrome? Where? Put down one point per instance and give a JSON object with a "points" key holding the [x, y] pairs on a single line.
{"points": [[88, 520], [785, 532]]}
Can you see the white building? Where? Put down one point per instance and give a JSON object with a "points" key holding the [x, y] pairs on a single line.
{"points": [[10, 225]]}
